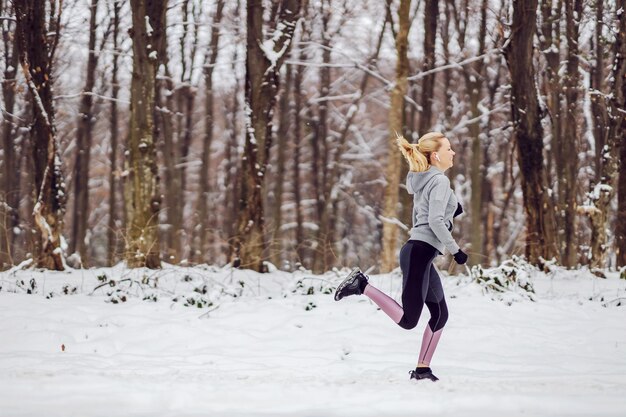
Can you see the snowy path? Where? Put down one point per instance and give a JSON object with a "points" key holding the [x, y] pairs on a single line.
{"points": [[271, 357]]}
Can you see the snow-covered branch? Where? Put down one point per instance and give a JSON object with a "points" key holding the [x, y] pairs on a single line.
{"points": [[454, 65], [90, 93]]}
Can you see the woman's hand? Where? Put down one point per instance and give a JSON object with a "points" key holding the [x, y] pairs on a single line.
{"points": [[460, 257]]}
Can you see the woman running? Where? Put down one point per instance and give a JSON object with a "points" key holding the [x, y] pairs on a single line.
{"points": [[434, 207]]}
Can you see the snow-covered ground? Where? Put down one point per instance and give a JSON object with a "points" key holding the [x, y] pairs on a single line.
{"points": [[262, 346]]}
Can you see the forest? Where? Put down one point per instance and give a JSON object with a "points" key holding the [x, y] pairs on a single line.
{"points": [[258, 133]]}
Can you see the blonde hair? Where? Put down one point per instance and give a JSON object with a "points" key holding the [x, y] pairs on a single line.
{"points": [[418, 154]]}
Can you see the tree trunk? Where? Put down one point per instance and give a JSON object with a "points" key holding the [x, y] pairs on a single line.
{"points": [[114, 174], [185, 99], [600, 197], [431, 16], [598, 105], [232, 179], [298, 98], [390, 229], [203, 201], [164, 115], [261, 88], [569, 152], [83, 146], [35, 55], [550, 42], [474, 82], [321, 145], [141, 194], [526, 115], [9, 191], [284, 121], [620, 228]]}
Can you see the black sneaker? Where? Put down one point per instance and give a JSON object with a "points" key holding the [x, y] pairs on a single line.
{"points": [[423, 373], [354, 284]]}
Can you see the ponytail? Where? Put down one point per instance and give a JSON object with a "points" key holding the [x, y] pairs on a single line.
{"points": [[418, 155]]}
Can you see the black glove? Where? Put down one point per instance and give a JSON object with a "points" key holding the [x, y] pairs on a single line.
{"points": [[459, 210], [460, 257]]}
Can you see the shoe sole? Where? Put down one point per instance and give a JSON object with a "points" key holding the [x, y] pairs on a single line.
{"points": [[346, 282]]}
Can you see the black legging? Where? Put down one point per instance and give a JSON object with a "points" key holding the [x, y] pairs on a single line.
{"points": [[421, 284]]}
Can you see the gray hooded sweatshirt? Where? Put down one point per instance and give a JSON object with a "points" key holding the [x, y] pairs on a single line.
{"points": [[434, 205]]}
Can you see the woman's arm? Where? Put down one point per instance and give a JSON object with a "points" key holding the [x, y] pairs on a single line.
{"points": [[437, 201]]}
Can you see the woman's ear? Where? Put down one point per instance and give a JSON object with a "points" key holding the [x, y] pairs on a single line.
{"points": [[436, 157]]}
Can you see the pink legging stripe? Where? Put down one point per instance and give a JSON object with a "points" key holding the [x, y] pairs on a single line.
{"points": [[386, 303], [429, 344]]}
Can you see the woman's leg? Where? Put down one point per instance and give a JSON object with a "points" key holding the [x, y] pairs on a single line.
{"points": [[386, 303], [436, 303], [415, 260]]}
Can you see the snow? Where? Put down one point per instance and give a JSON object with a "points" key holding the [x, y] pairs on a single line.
{"points": [[598, 189], [149, 29], [279, 345], [37, 212], [268, 46]]}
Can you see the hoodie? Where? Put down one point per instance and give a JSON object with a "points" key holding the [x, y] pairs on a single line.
{"points": [[434, 205]]}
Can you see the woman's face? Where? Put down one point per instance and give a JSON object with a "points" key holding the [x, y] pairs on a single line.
{"points": [[444, 157]]}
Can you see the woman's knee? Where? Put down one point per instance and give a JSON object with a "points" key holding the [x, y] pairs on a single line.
{"points": [[408, 323], [440, 320]]}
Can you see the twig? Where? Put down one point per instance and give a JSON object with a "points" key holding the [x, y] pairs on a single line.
{"points": [[206, 314]]}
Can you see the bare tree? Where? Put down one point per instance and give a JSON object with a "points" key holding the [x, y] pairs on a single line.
{"points": [[474, 80], [263, 61], [141, 195], [568, 153], [298, 99], [528, 132], [431, 16], [550, 40], [347, 125], [231, 178], [320, 145], [37, 43], [599, 199], [203, 200], [597, 85], [83, 145], [282, 140], [396, 124], [113, 123], [620, 228], [10, 190]]}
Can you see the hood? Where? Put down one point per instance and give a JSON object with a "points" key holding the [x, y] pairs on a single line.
{"points": [[416, 181]]}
